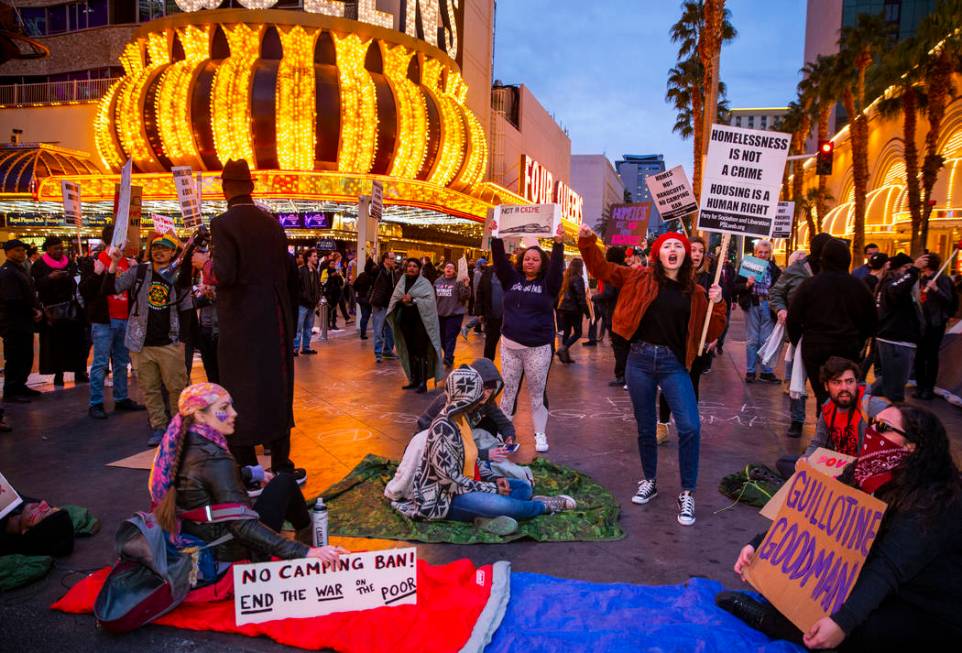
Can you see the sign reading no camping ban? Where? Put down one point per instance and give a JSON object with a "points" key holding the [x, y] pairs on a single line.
{"points": [[672, 192], [742, 179]]}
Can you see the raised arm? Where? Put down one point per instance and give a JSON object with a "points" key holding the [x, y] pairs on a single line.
{"points": [[556, 269], [598, 267], [502, 266]]}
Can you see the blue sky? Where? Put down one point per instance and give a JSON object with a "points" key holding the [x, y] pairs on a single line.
{"points": [[600, 66]]}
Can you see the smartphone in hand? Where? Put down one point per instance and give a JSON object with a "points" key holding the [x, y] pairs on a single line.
{"points": [[512, 448]]}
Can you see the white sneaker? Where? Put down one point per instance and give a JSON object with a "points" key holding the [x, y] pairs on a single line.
{"points": [[686, 508], [646, 492], [540, 442]]}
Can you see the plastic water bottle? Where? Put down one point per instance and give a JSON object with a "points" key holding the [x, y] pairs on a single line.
{"points": [[319, 522]]}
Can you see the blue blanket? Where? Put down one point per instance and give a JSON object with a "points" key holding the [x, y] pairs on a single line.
{"points": [[555, 614]]}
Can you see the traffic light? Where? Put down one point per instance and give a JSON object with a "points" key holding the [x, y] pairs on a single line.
{"points": [[823, 163]]}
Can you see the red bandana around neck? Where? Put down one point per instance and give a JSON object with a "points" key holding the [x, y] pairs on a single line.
{"points": [[877, 460]]}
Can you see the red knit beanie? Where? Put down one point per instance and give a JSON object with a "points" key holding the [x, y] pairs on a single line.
{"points": [[668, 235]]}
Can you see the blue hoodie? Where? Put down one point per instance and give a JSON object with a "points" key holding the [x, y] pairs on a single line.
{"points": [[529, 305]]}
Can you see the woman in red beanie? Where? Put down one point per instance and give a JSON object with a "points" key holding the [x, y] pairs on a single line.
{"points": [[661, 312]]}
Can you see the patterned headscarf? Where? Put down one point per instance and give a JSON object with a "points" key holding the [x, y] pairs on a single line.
{"points": [[194, 398]]}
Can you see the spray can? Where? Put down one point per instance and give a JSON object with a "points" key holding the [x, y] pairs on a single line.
{"points": [[319, 522]]}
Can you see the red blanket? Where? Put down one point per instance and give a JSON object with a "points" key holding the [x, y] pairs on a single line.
{"points": [[459, 607]]}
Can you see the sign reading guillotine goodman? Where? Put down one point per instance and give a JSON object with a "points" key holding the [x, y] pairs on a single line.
{"points": [[743, 175]]}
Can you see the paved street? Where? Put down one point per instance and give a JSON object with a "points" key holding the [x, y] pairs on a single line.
{"points": [[346, 407]]}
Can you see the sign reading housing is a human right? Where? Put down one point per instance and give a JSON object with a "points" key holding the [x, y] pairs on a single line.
{"points": [[742, 177]]}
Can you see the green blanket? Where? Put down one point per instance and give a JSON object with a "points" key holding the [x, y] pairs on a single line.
{"points": [[357, 508], [18, 570]]}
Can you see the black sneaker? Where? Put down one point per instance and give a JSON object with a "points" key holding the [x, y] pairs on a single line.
{"points": [[686, 508], [97, 411], [795, 430], [128, 405], [646, 492], [300, 475], [309, 352], [617, 382], [295, 354], [590, 343], [391, 356], [768, 377], [750, 377], [254, 489]]}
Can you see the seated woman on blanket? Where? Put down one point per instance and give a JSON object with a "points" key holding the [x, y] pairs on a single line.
{"points": [[194, 470], [446, 483], [907, 596], [491, 428], [35, 528]]}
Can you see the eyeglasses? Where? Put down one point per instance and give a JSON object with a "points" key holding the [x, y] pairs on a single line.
{"points": [[885, 427]]}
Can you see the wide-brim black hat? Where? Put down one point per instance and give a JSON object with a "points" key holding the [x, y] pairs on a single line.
{"points": [[237, 171]]}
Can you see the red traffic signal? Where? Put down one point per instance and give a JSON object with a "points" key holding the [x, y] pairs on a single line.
{"points": [[823, 161]]}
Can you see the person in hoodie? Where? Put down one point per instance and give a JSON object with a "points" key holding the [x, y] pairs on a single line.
{"points": [[832, 314], [938, 305], [899, 327], [452, 295], [447, 481]]}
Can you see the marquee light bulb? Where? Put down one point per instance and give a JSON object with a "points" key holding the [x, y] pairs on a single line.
{"points": [[196, 5], [257, 4]]}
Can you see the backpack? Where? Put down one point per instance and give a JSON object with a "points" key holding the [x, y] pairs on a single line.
{"points": [[753, 485]]}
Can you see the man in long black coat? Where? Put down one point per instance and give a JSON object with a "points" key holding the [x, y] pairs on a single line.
{"points": [[251, 268]]}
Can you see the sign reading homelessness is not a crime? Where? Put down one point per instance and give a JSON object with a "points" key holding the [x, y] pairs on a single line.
{"points": [[811, 557], [742, 178], [672, 193], [308, 587]]}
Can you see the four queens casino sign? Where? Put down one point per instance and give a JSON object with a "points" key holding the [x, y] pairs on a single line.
{"points": [[742, 179]]}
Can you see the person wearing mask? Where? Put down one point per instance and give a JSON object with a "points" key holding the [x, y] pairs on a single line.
{"points": [[452, 295], [572, 308], [448, 483], [752, 294], [256, 286], [413, 315], [906, 596], [62, 339], [310, 297], [800, 268], [362, 291], [19, 315], [108, 328], [385, 280], [193, 471], [832, 314], [939, 303], [661, 311], [490, 306], [899, 326], [703, 277], [863, 271], [528, 329]]}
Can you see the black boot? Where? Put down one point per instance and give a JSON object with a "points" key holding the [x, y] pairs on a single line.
{"points": [[423, 377], [416, 374]]}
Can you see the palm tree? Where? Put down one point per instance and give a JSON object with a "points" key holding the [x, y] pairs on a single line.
{"points": [[817, 94], [858, 45], [809, 203], [796, 122], [905, 97]]}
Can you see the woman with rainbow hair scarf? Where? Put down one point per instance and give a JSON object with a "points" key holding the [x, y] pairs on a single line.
{"points": [[197, 489]]}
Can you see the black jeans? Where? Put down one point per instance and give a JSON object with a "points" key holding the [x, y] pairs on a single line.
{"points": [[621, 348], [698, 367], [492, 334], [18, 361], [280, 455], [571, 327], [927, 357], [450, 328], [207, 343], [282, 500]]}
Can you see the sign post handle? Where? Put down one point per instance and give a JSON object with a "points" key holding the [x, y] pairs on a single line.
{"points": [[726, 238]]}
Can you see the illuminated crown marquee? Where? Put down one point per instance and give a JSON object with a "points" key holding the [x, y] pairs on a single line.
{"points": [[291, 91]]}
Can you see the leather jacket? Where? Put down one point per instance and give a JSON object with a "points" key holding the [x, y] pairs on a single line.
{"points": [[209, 475]]}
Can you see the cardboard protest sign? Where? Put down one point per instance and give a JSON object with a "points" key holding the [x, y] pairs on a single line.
{"points": [[826, 461], [162, 224], [308, 587], [187, 195], [672, 193], [752, 266], [628, 224], [122, 211], [463, 269], [535, 220], [742, 178], [486, 235], [784, 216], [376, 210], [9, 499], [810, 558], [71, 202]]}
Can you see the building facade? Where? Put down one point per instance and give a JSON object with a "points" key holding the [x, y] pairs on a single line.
{"points": [[597, 181], [756, 118]]}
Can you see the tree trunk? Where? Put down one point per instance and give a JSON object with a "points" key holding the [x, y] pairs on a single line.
{"points": [[938, 80], [698, 137], [911, 156], [811, 225], [859, 139], [823, 117]]}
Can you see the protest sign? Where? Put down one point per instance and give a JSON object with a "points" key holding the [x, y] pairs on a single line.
{"points": [[828, 462], [672, 193], [71, 202], [162, 224], [377, 201], [486, 235], [535, 220], [810, 558], [463, 269], [752, 266], [187, 195], [784, 216], [9, 499], [743, 174], [122, 212], [308, 587], [628, 224]]}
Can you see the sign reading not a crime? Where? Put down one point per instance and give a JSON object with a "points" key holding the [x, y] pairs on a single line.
{"points": [[672, 193], [308, 587], [742, 177]]}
